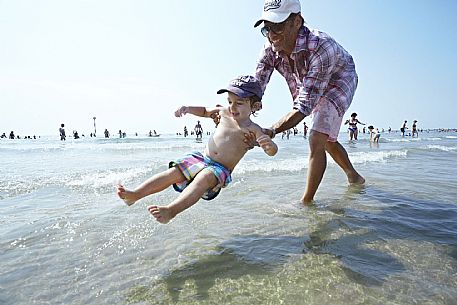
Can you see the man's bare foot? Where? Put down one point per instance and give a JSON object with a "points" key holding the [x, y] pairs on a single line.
{"points": [[127, 196], [161, 214], [307, 201], [355, 179]]}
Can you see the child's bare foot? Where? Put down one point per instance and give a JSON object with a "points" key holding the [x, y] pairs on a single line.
{"points": [[129, 197], [161, 214]]}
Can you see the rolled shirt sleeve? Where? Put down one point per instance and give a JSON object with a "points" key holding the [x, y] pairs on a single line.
{"points": [[264, 68]]}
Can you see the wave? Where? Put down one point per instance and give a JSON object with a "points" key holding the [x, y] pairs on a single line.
{"points": [[377, 156], [442, 148], [100, 181], [410, 139], [287, 165], [300, 163], [106, 178], [451, 137]]}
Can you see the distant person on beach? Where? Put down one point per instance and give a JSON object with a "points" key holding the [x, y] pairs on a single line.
{"points": [[75, 134], [3, 136], [12, 135], [321, 78], [305, 129], [353, 130], [200, 175], [374, 134], [186, 133], [63, 137], [414, 129], [198, 130], [106, 133], [403, 128]]}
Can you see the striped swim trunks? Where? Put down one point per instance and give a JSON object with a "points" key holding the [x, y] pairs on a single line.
{"points": [[195, 162]]}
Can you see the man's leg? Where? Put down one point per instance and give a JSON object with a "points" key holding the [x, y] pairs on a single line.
{"points": [[339, 154], [317, 164]]}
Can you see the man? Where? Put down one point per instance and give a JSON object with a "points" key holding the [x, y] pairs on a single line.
{"points": [[198, 130], [321, 78], [63, 137], [403, 128]]}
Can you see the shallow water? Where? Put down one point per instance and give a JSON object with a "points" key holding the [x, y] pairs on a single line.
{"points": [[67, 239]]}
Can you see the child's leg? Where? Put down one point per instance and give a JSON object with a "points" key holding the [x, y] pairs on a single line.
{"points": [[189, 196], [153, 185]]}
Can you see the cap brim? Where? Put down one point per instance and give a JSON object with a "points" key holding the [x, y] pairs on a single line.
{"points": [[258, 23], [272, 17], [237, 91]]}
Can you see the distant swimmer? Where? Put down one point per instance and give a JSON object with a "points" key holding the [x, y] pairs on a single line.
{"points": [[353, 121], [200, 175], [198, 130], [414, 129], [403, 128], [63, 137]]}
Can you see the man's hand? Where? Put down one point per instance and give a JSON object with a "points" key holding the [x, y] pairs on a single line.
{"points": [[269, 131], [250, 140]]}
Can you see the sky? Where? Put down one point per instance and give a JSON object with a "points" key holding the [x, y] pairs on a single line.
{"points": [[131, 64]]}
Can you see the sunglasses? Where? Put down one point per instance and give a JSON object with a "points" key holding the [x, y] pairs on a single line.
{"points": [[276, 28]]}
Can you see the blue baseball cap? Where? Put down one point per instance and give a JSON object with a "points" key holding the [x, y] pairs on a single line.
{"points": [[244, 86]]}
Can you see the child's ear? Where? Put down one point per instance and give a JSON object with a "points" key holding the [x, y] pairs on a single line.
{"points": [[256, 106]]}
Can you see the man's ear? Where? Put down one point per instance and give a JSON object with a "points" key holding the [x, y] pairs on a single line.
{"points": [[298, 21], [256, 106]]}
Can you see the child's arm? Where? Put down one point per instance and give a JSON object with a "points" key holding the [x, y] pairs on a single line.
{"points": [[197, 111], [269, 147]]}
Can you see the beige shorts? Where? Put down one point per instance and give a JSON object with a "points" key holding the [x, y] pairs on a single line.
{"points": [[325, 119]]}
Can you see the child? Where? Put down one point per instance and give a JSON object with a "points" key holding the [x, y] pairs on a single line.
{"points": [[374, 134], [211, 171]]}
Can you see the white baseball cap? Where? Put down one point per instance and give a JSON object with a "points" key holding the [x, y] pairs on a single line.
{"points": [[277, 11]]}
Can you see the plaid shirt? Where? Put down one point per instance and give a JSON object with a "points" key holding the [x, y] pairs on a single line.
{"points": [[322, 68]]}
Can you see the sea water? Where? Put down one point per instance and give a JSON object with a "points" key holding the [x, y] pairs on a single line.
{"points": [[67, 239]]}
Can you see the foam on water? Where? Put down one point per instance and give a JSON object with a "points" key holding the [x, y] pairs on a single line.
{"points": [[442, 148], [271, 165], [375, 156], [107, 178]]}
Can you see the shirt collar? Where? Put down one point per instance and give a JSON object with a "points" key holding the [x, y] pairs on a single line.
{"points": [[300, 43], [302, 39]]}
